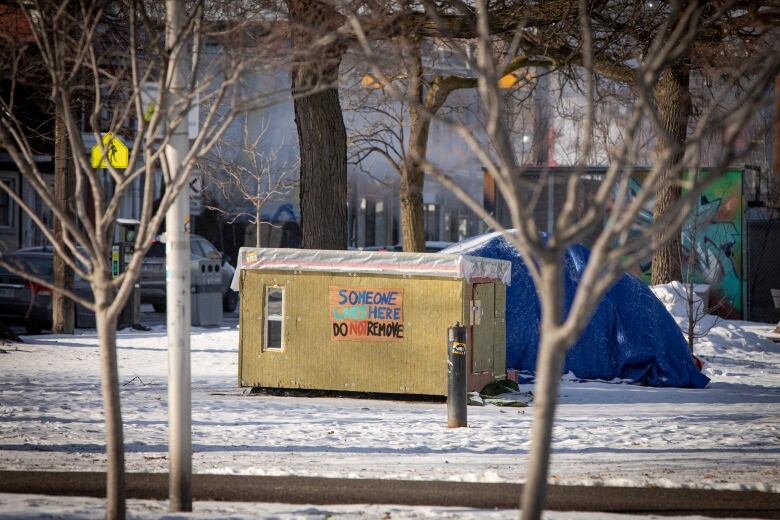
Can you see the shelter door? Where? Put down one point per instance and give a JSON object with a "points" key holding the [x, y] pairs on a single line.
{"points": [[482, 326]]}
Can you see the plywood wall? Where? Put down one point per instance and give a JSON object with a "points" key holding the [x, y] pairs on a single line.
{"points": [[499, 332], [311, 359]]}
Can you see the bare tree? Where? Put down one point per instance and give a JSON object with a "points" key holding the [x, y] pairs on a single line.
{"points": [[107, 54], [399, 131], [701, 315], [611, 213], [703, 303], [696, 306], [241, 174]]}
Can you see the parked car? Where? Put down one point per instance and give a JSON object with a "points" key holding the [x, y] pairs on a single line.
{"points": [[152, 279], [434, 246], [431, 246], [27, 303]]}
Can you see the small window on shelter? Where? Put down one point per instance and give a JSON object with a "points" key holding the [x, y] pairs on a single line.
{"points": [[274, 318]]}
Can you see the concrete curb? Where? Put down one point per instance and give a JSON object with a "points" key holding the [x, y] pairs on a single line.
{"points": [[325, 491]]}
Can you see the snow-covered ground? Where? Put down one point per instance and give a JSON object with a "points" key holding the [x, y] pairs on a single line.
{"points": [[726, 436]]}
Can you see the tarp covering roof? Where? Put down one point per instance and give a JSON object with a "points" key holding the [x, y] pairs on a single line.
{"points": [[630, 336], [373, 262]]}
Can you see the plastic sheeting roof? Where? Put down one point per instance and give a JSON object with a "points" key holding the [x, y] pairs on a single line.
{"points": [[373, 262]]}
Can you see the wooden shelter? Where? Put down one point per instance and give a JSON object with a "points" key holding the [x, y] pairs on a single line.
{"points": [[367, 321]]}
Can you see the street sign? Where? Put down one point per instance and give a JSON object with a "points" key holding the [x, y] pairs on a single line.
{"points": [[196, 194], [116, 153]]}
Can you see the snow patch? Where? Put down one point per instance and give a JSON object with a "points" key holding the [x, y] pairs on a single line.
{"points": [[721, 437]]}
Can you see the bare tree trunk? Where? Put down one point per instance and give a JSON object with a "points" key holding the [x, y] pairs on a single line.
{"points": [[549, 364], [412, 183], [693, 311], [322, 136], [672, 95], [412, 215], [63, 310], [258, 214], [691, 317], [106, 328], [687, 283], [323, 145], [540, 146]]}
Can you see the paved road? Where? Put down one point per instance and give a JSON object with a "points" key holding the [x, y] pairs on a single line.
{"points": [[323, 491]]}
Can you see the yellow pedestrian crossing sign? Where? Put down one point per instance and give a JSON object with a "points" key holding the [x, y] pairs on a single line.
{"points": [[112, 151]]}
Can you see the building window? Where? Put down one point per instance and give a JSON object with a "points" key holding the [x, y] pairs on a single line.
{"points": [[7, 206], [380, 236], [370, 208], [463, 228], [432, 222], [274, 318]]}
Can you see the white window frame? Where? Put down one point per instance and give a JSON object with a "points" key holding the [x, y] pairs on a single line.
{"points": [[269, 317]]}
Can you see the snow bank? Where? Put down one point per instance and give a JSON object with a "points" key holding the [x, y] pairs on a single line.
{"points": [[726, 346], [674, 296]]}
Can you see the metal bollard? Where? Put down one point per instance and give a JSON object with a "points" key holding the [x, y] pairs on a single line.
{"points": [[456, 377], [136, 299]]}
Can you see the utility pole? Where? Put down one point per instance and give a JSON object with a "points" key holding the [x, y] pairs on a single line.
{"points": [[177, 284]]}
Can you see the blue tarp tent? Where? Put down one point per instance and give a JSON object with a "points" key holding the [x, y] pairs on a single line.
{"points": [[630, 336]]}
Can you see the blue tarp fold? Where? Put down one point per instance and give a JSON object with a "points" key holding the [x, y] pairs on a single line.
{"points": [[630, 336]]}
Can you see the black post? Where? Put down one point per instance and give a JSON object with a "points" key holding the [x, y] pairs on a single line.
{"points": [[456, 376]]}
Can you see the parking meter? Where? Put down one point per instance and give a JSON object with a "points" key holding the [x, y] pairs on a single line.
{"points": [[121, 254]]}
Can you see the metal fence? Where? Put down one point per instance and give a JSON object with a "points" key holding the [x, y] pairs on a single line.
{"points": [[763, 268]]}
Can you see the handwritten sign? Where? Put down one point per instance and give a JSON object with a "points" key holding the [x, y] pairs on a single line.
{"points": [[366, 313]]}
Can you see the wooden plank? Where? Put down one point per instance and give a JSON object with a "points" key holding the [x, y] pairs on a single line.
{"points": [[499, 332], [484, 300]]}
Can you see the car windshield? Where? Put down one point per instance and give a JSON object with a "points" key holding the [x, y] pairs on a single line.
{"points": [[209, 250], [199, 248], [195, 249]]}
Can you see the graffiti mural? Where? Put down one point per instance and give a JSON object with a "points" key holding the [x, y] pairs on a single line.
{"points": [[712, 243]]}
